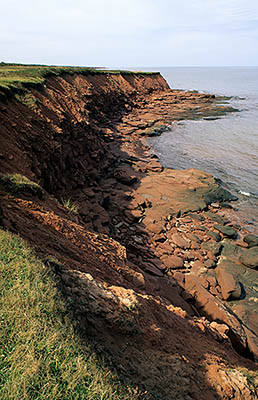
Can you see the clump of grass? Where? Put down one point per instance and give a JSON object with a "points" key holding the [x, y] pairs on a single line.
{"points": [[41, 357], [71, 206], [28, 99], [17, 184], [251, 376]]}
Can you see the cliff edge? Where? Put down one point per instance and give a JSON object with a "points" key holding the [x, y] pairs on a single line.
{"points": [[125, 237]]}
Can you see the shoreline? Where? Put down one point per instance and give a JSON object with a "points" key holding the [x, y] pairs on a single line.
{"points": [[138, 260], [193, 258]]}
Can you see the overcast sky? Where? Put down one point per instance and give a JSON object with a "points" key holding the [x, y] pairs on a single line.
{"points": [[131, 33]]}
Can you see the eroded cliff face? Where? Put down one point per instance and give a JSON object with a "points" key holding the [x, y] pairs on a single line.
{"points": [[59, 141], [82, 139]]}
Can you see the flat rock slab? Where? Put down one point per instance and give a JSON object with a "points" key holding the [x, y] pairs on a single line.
{"points": [[172, 191], [250, 257], [226, 230]]}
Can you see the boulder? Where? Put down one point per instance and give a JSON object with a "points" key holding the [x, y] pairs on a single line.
{"points": [[250, 257], [230, 286]]}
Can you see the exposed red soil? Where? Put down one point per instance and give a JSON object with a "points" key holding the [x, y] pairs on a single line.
{"points": [[126, 258]]}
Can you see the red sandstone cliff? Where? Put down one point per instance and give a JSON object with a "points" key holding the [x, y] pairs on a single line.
{"points": [[79, 140]]}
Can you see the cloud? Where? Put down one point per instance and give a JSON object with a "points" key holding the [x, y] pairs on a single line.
{"points": [[139, 32]]}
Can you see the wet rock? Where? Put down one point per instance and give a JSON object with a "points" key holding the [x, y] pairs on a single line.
{"points": [[211, 246], [226, 230], [180, 241], [217, 193], [230, 250], [230, 286], [197, 217], [216, 218], [250, 257], [214, 235], [251, 240]]}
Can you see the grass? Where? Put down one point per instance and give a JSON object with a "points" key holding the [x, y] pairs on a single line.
{"points": [[71, 206], [18, 77], [28, 99], [17, 184], [41, 356]]}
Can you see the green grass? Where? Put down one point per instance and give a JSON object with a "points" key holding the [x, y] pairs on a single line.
{"points": [[17, 184], [18, 77], [71, 206], [41, 356]]}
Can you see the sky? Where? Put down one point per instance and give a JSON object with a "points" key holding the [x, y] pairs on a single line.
{"points": [[132, 33]]}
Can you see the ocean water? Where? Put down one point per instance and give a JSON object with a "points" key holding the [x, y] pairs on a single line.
{"points": [[226, 147]]}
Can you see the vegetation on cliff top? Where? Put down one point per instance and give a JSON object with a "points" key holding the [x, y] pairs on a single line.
{"points": [[41, 356], [18, 77]]}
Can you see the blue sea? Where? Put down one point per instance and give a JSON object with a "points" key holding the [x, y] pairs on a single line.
{"points": [[226, 147]]}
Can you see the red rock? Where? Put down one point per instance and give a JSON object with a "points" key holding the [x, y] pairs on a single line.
{"points": [[158, 263], [203, 281], [154, 228], [133, 215], [230, 287], [241, 243], [151, 269], [252, 343], [211, 256], [180, 278], [198, 268], [173, 262], [180, 241], [138, 280], [214, 309], [166, 247], [222, 329], [195, 245]]}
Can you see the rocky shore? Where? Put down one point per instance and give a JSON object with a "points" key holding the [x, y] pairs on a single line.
{"points": [[151, 260]]}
